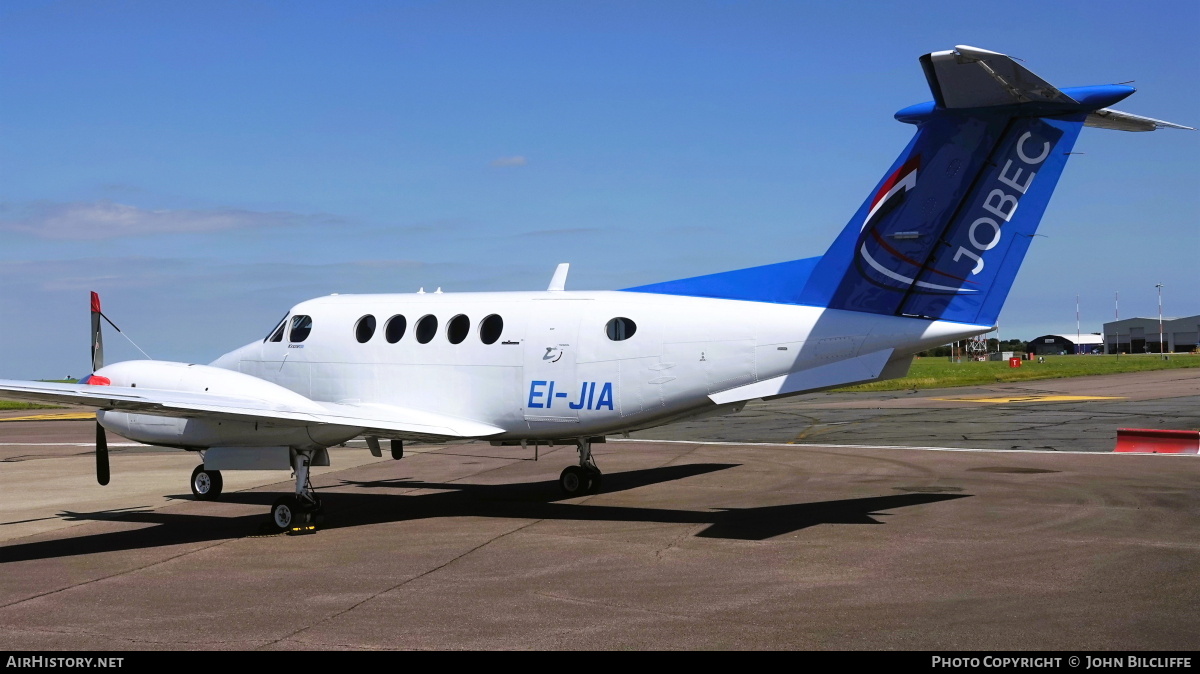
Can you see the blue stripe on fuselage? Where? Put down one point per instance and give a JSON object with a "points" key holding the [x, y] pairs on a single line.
{"points": [[780, 283]]}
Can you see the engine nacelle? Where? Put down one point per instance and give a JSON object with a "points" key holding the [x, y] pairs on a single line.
{"points": [[189, 433]]}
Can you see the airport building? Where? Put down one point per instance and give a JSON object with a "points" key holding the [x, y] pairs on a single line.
{"points": [[1053, 345], [1140, 335]]}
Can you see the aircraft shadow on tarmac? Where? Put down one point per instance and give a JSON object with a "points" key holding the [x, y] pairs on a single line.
{"points": [[531, 500]]}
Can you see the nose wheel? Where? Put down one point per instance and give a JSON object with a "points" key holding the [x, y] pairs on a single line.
{"points": [[284, 511], [298, 515], [298, 512]]}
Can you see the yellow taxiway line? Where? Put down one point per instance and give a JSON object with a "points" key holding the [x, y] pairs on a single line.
{"points": [[1030, 399], [62, 416]]}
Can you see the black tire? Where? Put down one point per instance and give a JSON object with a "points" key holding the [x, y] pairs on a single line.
{"points": [[285, 512], [574, 481], [314, 506], [596, 479], [206, 484]]}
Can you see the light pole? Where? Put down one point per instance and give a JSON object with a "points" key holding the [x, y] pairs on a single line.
{"points": [[1077, 326], [1162, 348]]}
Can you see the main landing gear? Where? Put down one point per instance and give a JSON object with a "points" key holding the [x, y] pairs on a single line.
{"points": [[584, 478], [298, 512], [206, 484]]}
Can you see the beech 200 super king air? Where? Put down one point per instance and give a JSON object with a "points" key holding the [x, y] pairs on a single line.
{"points": [[928, 258]]}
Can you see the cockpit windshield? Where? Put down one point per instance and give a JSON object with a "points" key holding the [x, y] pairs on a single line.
{"points": [[276, 335]]}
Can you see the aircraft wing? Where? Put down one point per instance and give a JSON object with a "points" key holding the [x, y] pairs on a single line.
{"points": [[383, 420]]}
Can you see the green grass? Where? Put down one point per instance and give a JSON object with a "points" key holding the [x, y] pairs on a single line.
{"points": [[14, 405], [930, 373]]}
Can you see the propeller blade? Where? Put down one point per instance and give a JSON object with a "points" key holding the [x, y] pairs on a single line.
{"points": [[101, 455], [97, 339]]}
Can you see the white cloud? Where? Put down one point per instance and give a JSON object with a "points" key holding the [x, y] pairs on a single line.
{"points": [[510, 161], [109, 220], [566, 231]]}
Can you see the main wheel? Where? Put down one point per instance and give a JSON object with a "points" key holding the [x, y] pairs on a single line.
{"points": [[574, 481], [206, 484], [285, 512]]}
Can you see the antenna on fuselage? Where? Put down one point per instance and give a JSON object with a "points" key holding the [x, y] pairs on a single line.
{"points": [[559, 280]]}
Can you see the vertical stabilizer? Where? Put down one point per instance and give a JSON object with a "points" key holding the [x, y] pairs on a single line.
{"points": [[943, 233]]}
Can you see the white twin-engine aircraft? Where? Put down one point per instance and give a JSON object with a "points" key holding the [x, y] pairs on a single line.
{"points": [[928, 258]]}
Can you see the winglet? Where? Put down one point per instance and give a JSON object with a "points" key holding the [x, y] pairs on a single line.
{"points": [[559, 281]]}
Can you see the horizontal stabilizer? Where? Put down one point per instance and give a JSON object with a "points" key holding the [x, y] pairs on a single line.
{"points": [[841, 373], [969, 77], [1107, 118]]}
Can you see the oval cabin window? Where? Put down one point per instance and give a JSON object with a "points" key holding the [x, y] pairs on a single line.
{"points": [[458, 328], [395, 328], [490, 329], [620, 329], [365, 329], [426, 328]]}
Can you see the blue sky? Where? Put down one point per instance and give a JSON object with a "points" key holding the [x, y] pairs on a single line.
{"points": [[206, 165]]}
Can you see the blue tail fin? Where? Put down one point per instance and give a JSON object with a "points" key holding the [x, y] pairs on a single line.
{"points": [[943, 233]]}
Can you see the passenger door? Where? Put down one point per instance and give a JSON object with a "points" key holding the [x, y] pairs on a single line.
{"points": [[551, 348]]}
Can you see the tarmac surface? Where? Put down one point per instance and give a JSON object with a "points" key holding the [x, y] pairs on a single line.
{"points": [[851, 537]]}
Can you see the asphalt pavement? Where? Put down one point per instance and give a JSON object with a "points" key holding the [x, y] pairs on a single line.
{"points": [[830, 521]]}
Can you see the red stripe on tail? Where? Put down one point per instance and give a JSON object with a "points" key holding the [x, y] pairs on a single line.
{"points": [[912, 163]]}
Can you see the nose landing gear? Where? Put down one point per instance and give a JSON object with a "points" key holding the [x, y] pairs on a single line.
{"points": [[584, 478], [298, 513]]}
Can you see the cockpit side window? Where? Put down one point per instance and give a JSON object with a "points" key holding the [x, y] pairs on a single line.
{"points": [[301, 326], [276, 334]]}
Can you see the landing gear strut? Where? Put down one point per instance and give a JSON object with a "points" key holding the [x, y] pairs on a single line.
{"points": [[584, 478], [298, 512]]}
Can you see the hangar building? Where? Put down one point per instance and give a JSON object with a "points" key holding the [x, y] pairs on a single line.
{"points": [[1052, 345], [1140, 335]]}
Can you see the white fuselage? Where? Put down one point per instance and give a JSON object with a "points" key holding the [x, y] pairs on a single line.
{"points": [[554, 372]]}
